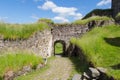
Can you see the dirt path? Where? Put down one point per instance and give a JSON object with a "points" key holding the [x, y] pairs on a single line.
{"points": [[60, 69]]}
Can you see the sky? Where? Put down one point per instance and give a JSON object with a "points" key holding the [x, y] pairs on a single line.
{"points": [[29, 11]]}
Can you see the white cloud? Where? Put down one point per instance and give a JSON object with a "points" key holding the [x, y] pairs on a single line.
{"points": [[62, 12], [104, 2], [76, 15], [48, 5], [61, 19]]}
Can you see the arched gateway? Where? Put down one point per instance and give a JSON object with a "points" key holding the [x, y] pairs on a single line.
{"points": [[63, 46], [62, 34]]}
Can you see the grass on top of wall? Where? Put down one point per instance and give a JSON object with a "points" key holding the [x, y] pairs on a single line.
{"points": [[96, 18], [16, 60], [20, 31], [102, 46]]}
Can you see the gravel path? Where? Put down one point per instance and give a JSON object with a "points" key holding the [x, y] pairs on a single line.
{"points": [[60, 69]]}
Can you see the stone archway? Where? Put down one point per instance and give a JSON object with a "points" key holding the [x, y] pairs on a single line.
{"points": [[63, 44]]}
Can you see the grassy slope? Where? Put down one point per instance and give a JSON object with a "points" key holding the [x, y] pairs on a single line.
{"points": [[96, 18], [17, 60], [20, 31], [102, 47], [100, 12]]}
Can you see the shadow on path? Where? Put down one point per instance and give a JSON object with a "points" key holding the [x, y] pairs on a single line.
{"points": [[80, 66], [79, 60]]}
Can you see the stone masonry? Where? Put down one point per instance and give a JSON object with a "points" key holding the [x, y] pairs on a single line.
{"points": [[42, 43], [39, 43]]}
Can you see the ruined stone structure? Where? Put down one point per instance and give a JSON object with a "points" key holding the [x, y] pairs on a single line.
{"points": [[43, 43], [63, 33], [39, 43], [115, 7]]}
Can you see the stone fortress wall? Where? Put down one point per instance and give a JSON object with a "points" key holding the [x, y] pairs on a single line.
{"points": [[39, 43], [43, 43]]}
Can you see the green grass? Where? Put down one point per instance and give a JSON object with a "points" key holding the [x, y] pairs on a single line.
{"points": [[102, 46], [33, 74], [58, 48], [20, 31], [16, 60], [96, 18], [48, 21], [100, 12]]}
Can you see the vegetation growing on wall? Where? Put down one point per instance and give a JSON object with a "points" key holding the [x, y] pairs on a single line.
{"points": [[99, 12], [24, 31], [102, 46], [16, 60], [95, 18], [48, 21], [20, 31]]}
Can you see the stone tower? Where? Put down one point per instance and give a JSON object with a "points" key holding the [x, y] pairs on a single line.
{"points": [[115, 7]]}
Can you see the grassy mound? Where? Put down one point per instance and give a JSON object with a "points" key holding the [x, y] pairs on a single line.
{"points": [[102, 46], [17, 60], [20, 31], [96, 18], [99, 12]]}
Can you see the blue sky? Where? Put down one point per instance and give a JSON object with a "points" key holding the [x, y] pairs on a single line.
{"points": [[27, 11]]}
